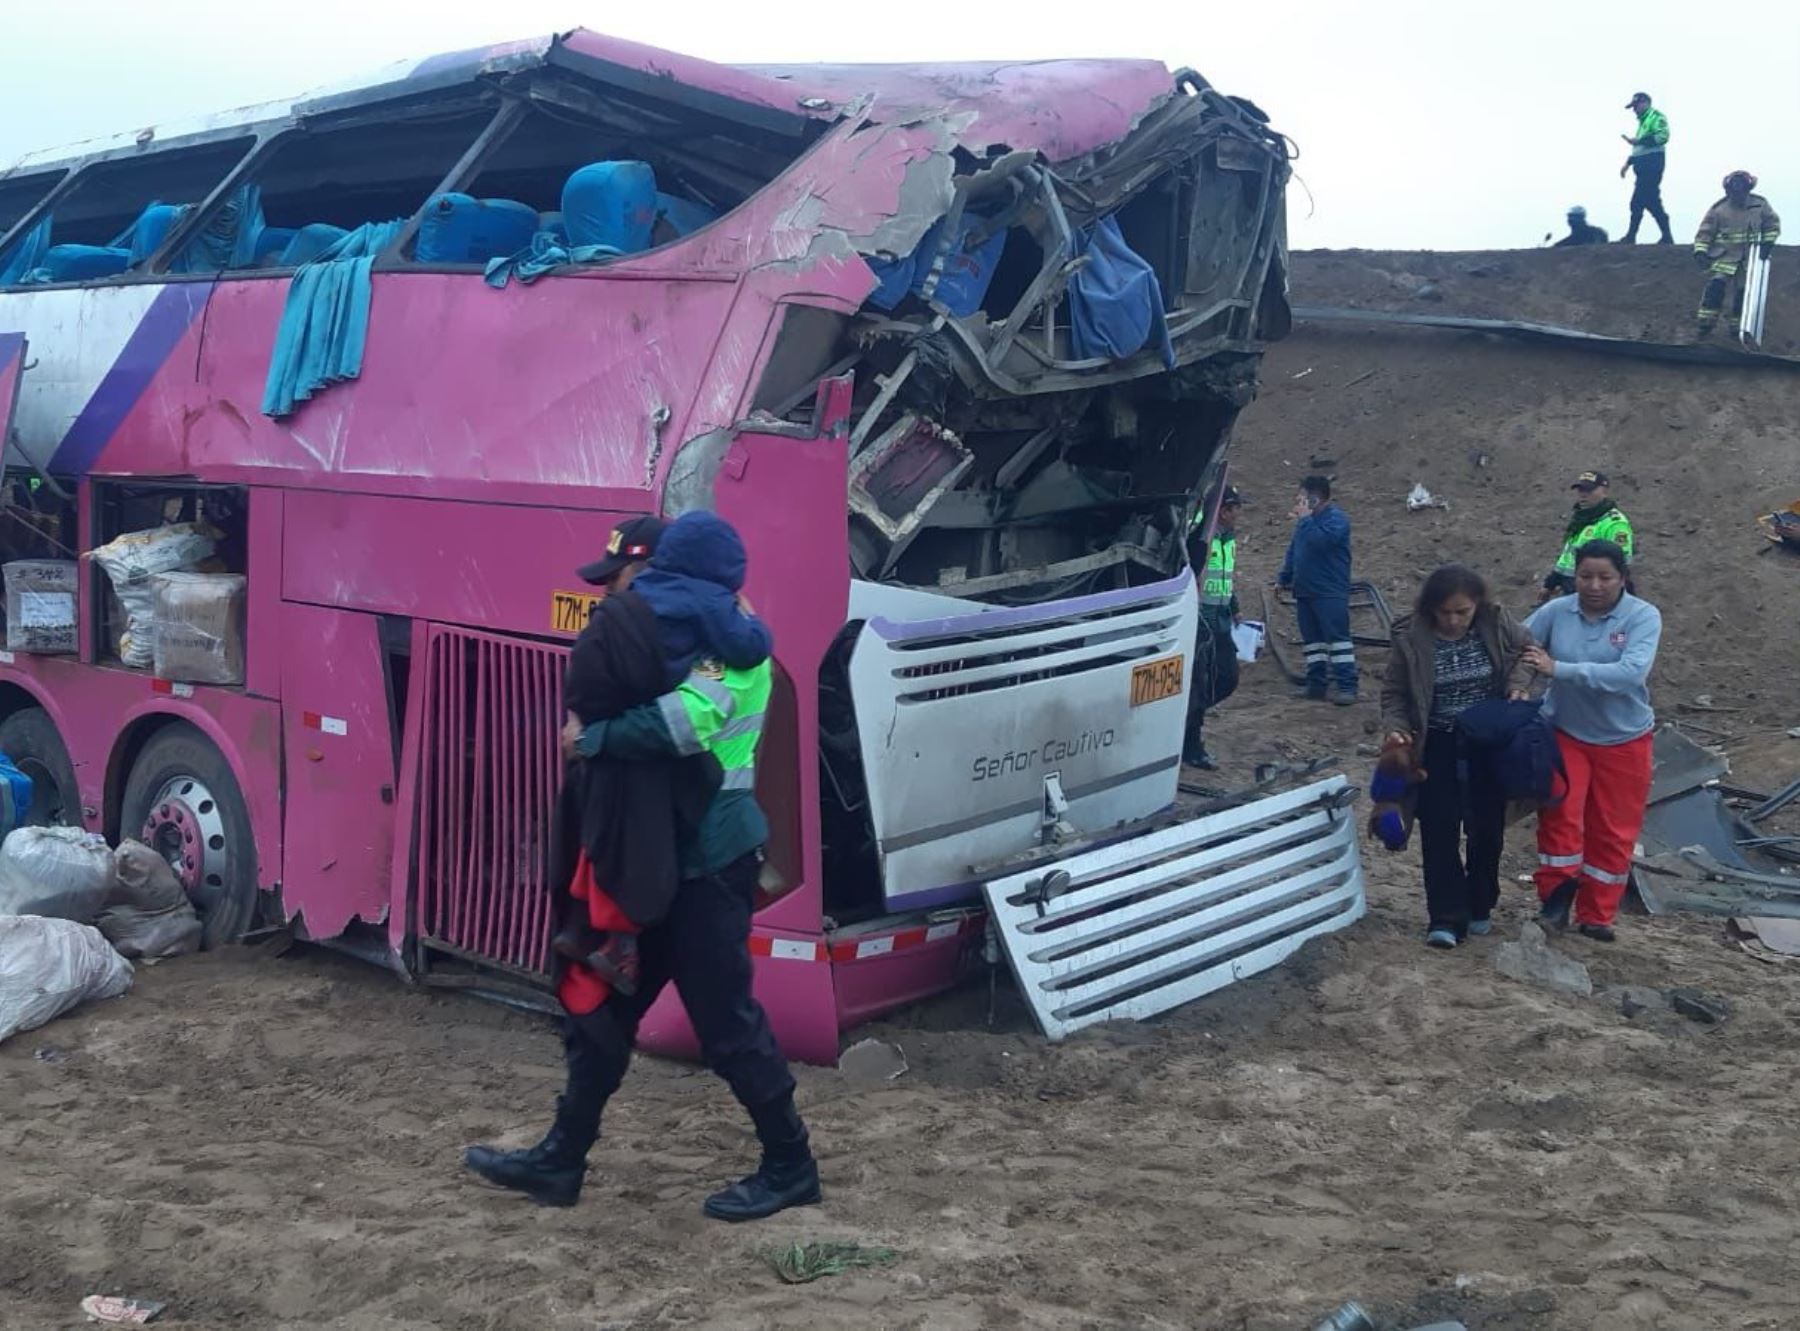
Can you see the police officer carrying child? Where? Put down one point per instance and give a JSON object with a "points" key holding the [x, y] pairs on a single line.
{"points": [[701, 946]]}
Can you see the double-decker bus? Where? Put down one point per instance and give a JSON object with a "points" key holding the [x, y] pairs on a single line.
{"points": [[957, 348]]}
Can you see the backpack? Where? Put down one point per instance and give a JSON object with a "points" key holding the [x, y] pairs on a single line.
{"points": [[1517, 744]]}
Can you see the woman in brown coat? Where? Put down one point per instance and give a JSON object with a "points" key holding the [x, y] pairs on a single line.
{"points": [[1454, 650]]}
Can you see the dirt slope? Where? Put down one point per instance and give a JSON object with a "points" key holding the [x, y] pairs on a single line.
{"points": [[1641, 291], [1499, 430], [274, 1143]]}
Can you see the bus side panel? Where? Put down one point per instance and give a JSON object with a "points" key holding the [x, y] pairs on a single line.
{"points": [[340, 769], [95, 706], [497, 567]]}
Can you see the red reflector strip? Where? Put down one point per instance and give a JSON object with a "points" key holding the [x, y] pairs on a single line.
{"points": [[880, 945], [171, 689], [330, 725], [784, 949]]}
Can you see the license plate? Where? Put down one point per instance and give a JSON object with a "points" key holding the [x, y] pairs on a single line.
{"points": [[1155, 680], [569, 611]]}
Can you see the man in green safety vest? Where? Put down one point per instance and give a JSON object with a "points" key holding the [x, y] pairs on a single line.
{"points": [[1215, 653], [1596, 517], [1649, 150], [702, 946]]}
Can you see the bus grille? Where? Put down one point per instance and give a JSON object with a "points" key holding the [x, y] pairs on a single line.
{"points": [[488, 775]]}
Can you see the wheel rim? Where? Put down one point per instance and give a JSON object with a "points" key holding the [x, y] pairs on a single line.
{"points": [[186, 827], [46, 795]]}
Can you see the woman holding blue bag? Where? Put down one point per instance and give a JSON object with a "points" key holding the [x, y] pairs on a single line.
{"points": [[1597, 648], [1458, 648]]}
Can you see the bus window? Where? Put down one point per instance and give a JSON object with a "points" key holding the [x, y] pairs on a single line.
{"points": [[17, 198], [591, 171], [118, 213], [321, 182]]}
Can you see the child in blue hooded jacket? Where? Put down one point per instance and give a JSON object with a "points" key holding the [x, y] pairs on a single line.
{"points": [[692, 585]]}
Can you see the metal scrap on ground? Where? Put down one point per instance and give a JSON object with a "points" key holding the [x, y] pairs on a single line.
{"points": [[1128, 932]]}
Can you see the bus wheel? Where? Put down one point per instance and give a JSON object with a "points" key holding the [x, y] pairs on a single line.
{"points": [[29, 738], [183, 801]]}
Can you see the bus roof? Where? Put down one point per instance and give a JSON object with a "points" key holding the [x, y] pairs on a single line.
{"points": [[1059, 108]]}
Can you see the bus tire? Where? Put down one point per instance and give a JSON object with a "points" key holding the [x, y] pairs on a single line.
{"points": [[183, 801], [29, 738]]}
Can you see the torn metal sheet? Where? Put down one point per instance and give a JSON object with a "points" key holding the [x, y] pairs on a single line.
{"points": [[1142, 926], [1371, 624], [1682, 765], [1685, 353]]}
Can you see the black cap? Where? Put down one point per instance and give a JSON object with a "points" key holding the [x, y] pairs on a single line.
{"points": [[632, 541], [1589, 480], [1637, 97]]}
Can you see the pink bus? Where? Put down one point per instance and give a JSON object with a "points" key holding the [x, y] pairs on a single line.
{"points": [[955, 347]]}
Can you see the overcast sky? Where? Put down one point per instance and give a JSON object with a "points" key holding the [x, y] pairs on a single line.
{"points": [[1448, 125]]}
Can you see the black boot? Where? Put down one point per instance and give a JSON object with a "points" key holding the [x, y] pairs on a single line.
{"points": [[549, 1173], [788, 1175], [1554, 911]]}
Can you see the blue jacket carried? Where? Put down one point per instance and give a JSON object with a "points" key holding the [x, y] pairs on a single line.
{"points": [[1318, 557], [691, 586]]}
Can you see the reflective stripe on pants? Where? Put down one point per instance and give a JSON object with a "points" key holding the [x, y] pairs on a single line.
{"points": [[1591, 833]]}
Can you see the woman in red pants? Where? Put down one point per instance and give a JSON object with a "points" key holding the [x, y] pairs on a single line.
{"points": [[1597, 647]]}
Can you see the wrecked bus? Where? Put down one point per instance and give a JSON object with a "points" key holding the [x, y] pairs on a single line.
{"points": [[955, 347]]}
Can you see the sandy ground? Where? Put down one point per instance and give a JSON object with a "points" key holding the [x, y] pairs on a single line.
{"points": [[274, 1142]]}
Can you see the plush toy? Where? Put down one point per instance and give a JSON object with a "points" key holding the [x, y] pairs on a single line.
{"points": [[1390, 787]]}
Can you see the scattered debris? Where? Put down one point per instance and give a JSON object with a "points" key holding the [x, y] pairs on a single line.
{"points": [[1794, 733], [802, 1263], [1430, 291], [1303, 373], [50, 1053], [1771, 940], [871, 1064], [1637, 999], [1351, 1317], [1783, 526], [1531, 959], [1706, 1009], [1423, 498], [1702, 702], [1366, 374], [121, 1311]]}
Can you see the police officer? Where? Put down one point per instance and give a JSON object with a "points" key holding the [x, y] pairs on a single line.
{"points": [[1215, 653], [1595, 517], [701, 946]]}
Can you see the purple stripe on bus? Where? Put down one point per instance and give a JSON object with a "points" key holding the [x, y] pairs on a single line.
{"points": [[162, 327], [1026, 614]]}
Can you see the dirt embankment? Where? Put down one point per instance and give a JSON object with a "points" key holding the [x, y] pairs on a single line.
{"points": [[1640, 291], [275, 1143]]}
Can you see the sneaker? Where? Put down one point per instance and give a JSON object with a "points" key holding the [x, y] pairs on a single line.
{"points": [[1343, 699], [1442, 939], [1481, 928], [1555, 910], [1600, 933]]}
